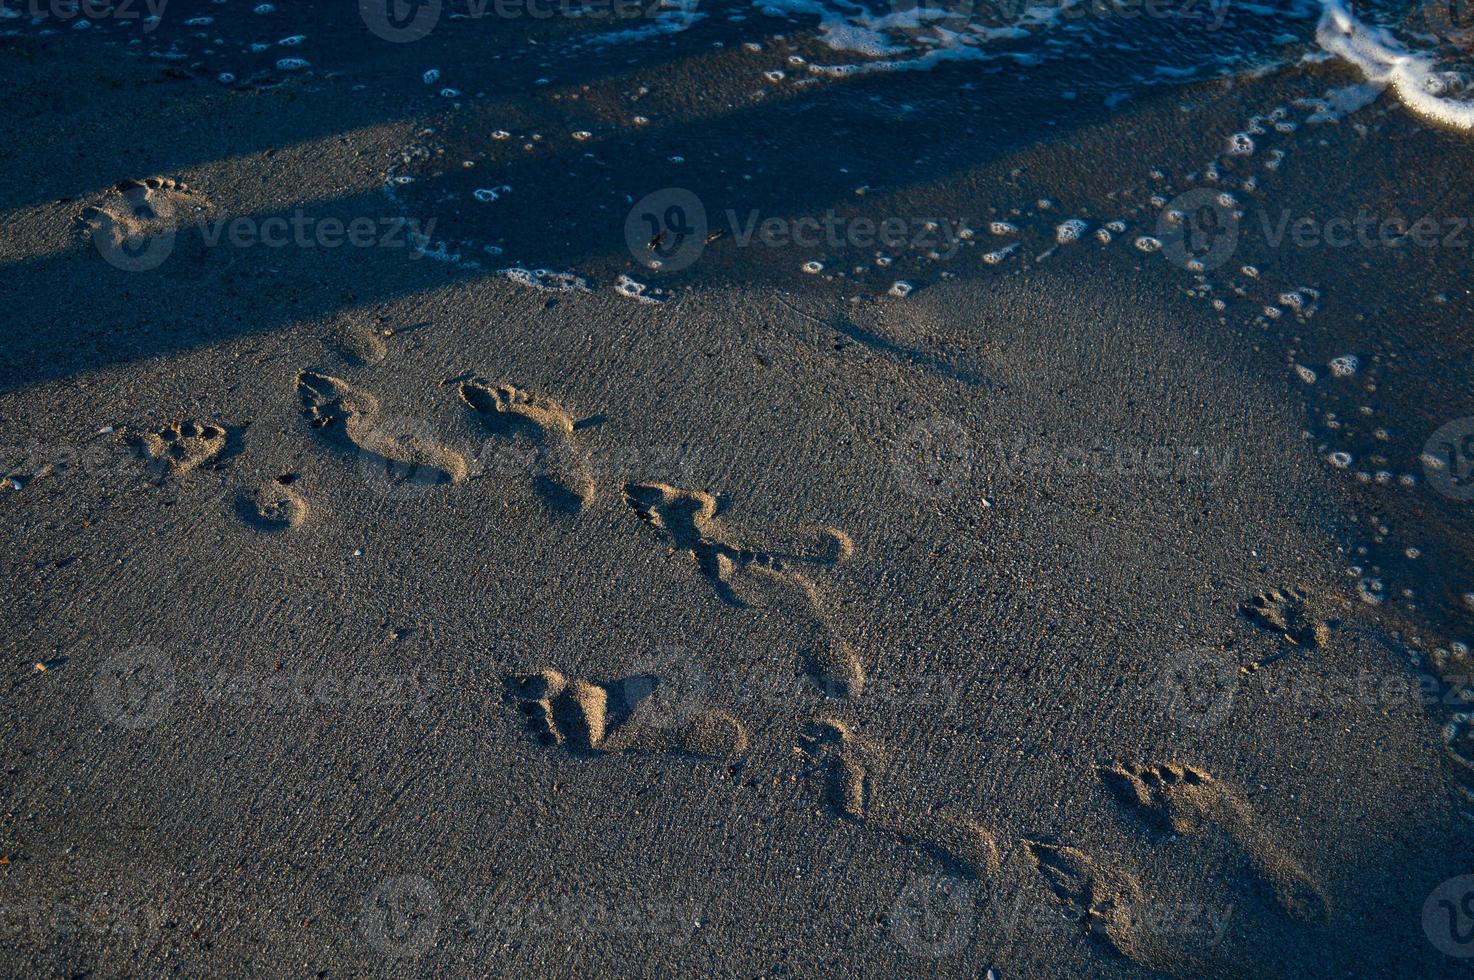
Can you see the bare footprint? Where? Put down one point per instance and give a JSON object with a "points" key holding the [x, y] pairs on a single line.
{"points": [[560, 473], [852, 766], [740, 570], [272, 509], [134, 222], [137, 206], [1183, 800], [348, 419], [357, 345], [1106, 901], [1283, 611], [179, 447], [591, 718]]}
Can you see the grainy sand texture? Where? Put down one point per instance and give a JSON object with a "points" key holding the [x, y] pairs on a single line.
{"points": [[691, 490]]}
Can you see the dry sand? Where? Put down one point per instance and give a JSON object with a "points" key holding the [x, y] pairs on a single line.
{"points": [[367, 614]]}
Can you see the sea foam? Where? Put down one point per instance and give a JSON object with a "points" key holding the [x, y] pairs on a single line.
{"points": [[1384, 60]]}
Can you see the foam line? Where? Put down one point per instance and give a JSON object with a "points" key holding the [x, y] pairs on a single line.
{"points": [[1384, 61]]}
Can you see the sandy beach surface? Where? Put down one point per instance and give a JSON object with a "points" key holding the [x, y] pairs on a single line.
{"points": [[498, 504]]}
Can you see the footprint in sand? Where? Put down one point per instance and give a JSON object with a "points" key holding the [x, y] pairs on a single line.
{"points": [[1108, 903], [179, 447], [1182, 800], [851, 766], [357, 345], [348, 419], [560, 473], [740, 571], [1283, 611], [135, 224], [272, 509], [590, 718]]}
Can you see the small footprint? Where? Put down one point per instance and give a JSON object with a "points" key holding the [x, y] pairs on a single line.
{"points": [[688, 519], [137, 203], [737, 567], [1106, 901], [590, 718], [1183, 800], [357, 345], [1283, 611], [272, 509], [348, 419], [140, 208], [851, 766], [560, 473], [179, 447]]}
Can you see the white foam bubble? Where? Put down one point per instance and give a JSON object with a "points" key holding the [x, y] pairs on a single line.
{"points": [[625, 286], [1240, 145], [545, 280], [993, 258], [1070, 231]]}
